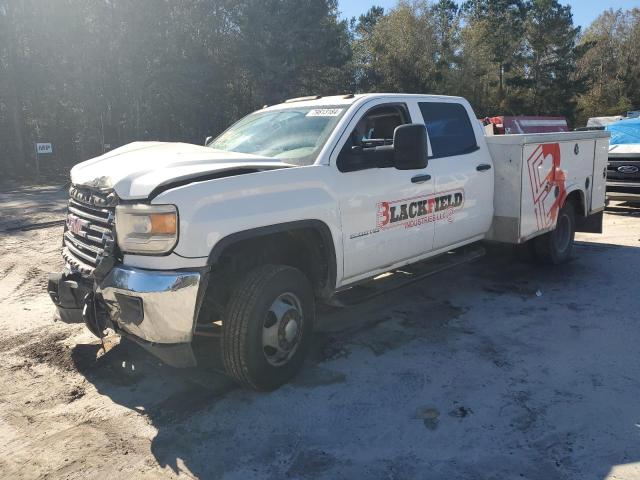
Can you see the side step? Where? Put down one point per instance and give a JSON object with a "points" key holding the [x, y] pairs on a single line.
{"points": [[405, 276]]}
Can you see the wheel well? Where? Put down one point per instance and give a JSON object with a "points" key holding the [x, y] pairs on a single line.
{"points": [[307, 249], [576, 198]]}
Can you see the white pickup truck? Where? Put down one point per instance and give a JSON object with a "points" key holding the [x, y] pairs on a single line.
{"points": [[300, 203]]}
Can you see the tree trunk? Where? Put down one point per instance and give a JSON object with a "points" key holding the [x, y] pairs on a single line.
{"points": [[14, 103]]}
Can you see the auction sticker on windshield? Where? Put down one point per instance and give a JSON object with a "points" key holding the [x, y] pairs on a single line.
{"points": [[324, 112]]}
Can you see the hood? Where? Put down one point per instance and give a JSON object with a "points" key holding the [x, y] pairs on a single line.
{"points": [[629, 150], [137, 169]]}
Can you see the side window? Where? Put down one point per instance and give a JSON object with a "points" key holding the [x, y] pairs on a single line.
{"points": [[449, 128], [374, 129]]}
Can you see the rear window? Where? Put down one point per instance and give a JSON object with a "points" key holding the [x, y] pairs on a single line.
{"points": [[449, 128]]}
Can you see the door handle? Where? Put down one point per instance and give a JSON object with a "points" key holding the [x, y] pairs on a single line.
{"points": [[483, 167], [421, 178]]}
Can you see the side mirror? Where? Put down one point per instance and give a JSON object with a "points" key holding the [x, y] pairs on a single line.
{"points": [[207, 140], [410, 147]]}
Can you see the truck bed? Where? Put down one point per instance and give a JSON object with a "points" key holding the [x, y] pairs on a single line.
{"points": [[534, 173]]}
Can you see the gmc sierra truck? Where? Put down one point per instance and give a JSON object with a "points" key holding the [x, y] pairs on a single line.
{"points": [[300, 203]]}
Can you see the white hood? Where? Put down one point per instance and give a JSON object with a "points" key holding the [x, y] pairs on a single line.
{"points": [[624, 150], [136, 169]]}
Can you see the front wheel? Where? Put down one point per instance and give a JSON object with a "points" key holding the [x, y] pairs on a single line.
{"points": [[267, 329], [556, 246]]}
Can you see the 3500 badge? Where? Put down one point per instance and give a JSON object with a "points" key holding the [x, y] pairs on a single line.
{"points": [[416, 211]]}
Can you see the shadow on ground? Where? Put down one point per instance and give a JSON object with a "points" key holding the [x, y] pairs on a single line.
{"points": [[631, 209], [31, 207], [500, 369]]}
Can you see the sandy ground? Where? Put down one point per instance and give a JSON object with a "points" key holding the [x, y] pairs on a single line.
{"points": [[496, 370]]}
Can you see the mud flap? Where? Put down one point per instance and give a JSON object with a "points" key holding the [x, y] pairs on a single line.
{"points": [[590, 224]]}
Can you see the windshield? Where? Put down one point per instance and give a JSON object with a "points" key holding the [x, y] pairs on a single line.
{"points": [[293, 135]]}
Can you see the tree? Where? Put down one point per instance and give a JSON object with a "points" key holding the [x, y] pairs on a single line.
{"points": [[446, 21], [366, 78], [494, 37], [292, 47], [610, 64], [403, 49], [86, 74], [547, 81]]}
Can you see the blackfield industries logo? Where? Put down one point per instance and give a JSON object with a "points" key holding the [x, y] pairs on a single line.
{"points": [[411, 212], [547, 180]]}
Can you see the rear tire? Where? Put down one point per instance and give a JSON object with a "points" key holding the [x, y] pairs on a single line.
{"points": [[556, 246], [267, 329]]}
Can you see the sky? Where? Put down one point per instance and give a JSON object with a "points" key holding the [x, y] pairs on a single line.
{"points": [[584, 11]]}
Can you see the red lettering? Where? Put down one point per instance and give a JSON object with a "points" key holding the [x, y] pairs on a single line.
{"points": [[383, 214]]}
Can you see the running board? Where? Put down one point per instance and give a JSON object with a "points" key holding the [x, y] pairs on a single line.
{"points": [[405, 276]]}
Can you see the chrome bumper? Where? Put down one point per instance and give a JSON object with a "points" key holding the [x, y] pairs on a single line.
{"points": [[158, 307]]}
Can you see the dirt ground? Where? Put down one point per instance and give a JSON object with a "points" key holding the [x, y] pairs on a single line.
{"points": [[500, 369]]}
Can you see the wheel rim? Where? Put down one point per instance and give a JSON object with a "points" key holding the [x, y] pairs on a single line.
{"points": [[563, 233], [282, 329]]}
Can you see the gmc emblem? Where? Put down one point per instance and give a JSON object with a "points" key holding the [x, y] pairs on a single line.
{"points": [[76, 224]]}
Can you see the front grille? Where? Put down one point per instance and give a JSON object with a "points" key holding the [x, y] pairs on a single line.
{"points": [[89, 231], [621, 170]]}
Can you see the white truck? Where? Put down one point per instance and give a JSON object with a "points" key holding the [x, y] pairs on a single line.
{"points": [[301, 203]]}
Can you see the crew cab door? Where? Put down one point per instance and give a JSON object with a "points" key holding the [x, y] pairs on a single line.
{"points": [[462, 168], [379, 204]]}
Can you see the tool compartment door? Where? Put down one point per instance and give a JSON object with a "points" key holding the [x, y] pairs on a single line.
{"points": [[549, 172], [599, 182]]}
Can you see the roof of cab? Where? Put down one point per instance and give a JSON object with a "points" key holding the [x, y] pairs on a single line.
{"points": [[348, 99]]}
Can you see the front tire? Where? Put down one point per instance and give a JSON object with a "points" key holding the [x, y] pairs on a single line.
{"points": [[556, 246], [267, 329]]}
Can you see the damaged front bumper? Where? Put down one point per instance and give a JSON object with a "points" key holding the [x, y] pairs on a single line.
{"points": [[156, 309]]}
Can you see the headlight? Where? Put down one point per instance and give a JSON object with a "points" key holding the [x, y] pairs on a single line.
{"points": [[150, 229]]}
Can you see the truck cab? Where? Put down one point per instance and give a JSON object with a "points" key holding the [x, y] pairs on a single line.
{"points": [[296, 204]]}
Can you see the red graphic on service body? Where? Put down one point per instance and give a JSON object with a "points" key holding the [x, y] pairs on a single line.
{"points": [[415, 211], [548, 190]]}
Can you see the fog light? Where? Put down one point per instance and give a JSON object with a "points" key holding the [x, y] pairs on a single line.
{"points": [[131, 308]]}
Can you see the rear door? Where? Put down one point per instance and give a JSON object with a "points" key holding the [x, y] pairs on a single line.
{"points": [[463, 172]]}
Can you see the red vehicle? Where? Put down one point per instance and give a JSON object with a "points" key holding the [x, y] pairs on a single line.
{"points": [[524, 124]]}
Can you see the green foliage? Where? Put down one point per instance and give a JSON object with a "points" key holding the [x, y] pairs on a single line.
{"points": [[85, 73], [546, 77], [610, 64], [82, 74], [496, 30]]}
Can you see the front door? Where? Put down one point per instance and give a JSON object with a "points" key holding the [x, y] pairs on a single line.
{"points": [[384, 211]]}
